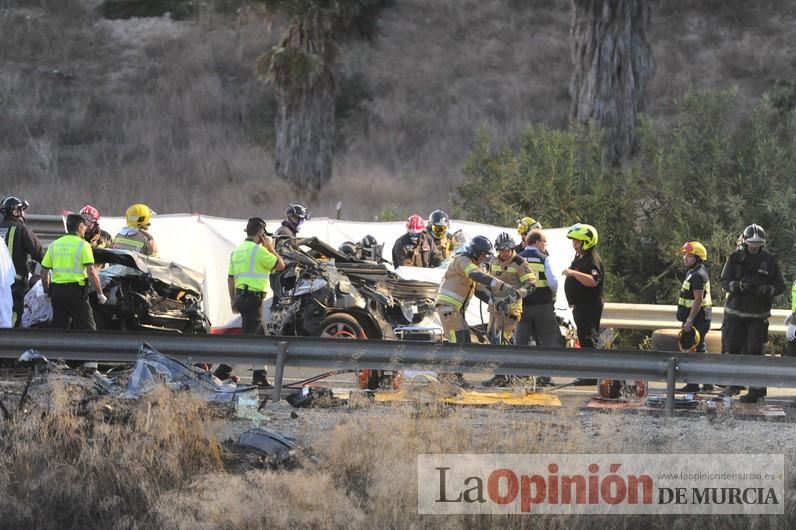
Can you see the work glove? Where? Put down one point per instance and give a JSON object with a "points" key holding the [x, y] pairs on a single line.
{"points": [[101, 298], [735, 287], [790, 333], [761, 290]]}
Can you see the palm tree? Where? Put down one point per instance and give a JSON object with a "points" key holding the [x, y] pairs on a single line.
{"points": [[301, 69], [613, 62]]}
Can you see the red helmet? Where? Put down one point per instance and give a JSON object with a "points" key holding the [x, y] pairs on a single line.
{"points": [[92, 212], [415, 224]]}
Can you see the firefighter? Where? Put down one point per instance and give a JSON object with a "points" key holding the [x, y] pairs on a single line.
{"points": [[459, 283], [96, 236], [23, 245], [524, 226], [370, 249], [135, 236], [250, 265], [72, 263], [584, 287], [538, 319], [438, 224], [295, 215], [513, 270], [752, 278], [416, 248], [694, 305]]}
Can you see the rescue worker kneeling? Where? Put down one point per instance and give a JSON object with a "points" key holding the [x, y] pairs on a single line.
{"points": [[458, 285]]}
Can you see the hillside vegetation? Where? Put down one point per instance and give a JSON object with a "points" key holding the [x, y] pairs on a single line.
{"points": [[169, 112]]}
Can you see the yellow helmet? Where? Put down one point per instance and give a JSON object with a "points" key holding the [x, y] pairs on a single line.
{"points": [[585, 233], [696, 248], [138, 215], [526, 224]]}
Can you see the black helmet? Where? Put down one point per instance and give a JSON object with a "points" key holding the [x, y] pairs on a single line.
{"points": [[11, 203], [348, 248], [298, 211], [504, 242], [438, 223], [479, 245], [754, 234], [371, 249]]}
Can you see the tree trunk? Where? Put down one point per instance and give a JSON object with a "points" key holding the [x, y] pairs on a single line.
{"points": [[305, 135], [613, 62]]}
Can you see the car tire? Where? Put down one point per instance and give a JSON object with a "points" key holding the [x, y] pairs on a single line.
{"points": [[341, 326]]}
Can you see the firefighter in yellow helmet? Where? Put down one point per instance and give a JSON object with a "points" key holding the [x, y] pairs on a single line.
{"points": [[135, 236], [524, 226], [437, 227], [694, 306]]}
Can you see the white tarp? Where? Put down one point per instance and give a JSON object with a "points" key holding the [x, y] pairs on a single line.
{"points": [[204, 243], [7, 274]]}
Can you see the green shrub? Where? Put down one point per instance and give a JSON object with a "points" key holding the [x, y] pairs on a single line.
{"points": [[704, 175]]}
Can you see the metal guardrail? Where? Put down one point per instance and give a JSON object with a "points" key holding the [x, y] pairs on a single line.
{"points": [[645, 316], [395, 355]]}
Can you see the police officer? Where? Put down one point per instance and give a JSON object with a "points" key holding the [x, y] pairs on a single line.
{"points": [[249, 268], [135, 236], [694, 305], [416, 248], [23, 245], [71, 261], [438, 224], [752, 278]]}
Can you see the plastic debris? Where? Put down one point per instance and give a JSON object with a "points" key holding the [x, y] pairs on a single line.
{"points": [[152, 368]]}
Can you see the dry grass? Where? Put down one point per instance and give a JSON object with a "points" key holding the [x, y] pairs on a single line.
{"points": [[170, 112], [72, 463], [155, 464]]}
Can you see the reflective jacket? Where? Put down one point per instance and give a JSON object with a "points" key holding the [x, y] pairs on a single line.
{"points": [[751, 271], [516, 272], [545, 292], [250, 265], [445, 244], [696, 279], [21, 243], [68, 257], [416, 251], [135, 240], [457, 284]]}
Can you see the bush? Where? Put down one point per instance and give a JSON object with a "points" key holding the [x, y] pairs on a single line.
{"points": [[705, 175]]}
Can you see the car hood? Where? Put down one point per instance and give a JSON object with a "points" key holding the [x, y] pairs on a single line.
{"points": [[162, 270]]}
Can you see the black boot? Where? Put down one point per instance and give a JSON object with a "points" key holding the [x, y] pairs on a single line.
{"points": [[690, 387], [544, 380], [260, 378]]}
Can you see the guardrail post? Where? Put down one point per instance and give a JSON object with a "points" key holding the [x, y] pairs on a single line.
{"points": [[281, 355], [671, 370]]}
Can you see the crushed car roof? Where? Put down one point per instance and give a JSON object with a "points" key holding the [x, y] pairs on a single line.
{"points": [[162, 270]]}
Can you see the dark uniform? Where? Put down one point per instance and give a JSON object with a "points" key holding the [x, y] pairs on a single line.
{"points": [[416, 250], [587, 302], [696, 279], [22, 245], [751, 281], [538, 313]]}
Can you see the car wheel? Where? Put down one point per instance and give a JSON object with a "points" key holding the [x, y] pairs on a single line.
{"points": [[341, 326]]}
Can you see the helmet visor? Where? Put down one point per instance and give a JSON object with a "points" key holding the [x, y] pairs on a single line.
{"points": [[439, 230]]}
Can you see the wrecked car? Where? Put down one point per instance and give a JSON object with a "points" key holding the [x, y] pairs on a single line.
{"points": [[325, 293], [146, 293]]}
